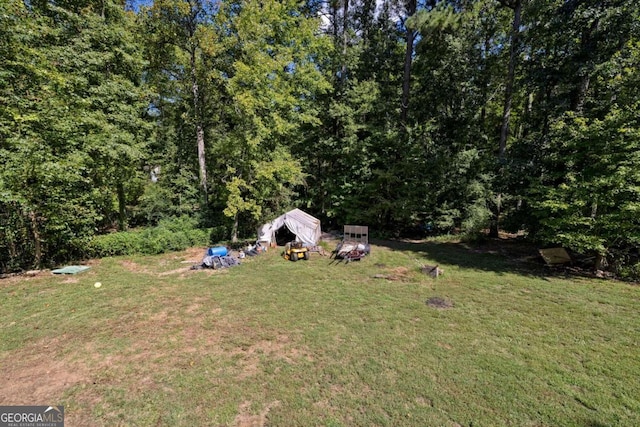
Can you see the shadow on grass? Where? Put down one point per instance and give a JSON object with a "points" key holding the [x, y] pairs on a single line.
{"points": [[499, 256]]}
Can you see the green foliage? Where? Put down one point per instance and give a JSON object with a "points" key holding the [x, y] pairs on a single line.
{"points": [[590, 198], [167, 236], [175, 194], [219, 233], [119, 243], [71, 127], [628, 271], [593, 203], [272, 80]]}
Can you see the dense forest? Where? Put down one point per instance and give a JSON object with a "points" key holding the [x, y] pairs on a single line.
{"points": [[412, 117]]}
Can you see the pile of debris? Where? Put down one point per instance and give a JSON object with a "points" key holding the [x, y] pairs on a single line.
{"points": [[217, 262], [354, 245], [220, 257]]}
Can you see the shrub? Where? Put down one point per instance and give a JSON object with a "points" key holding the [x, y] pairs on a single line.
{"points": [[476, 222], [169, 235], [219, 233], [121, 243]]}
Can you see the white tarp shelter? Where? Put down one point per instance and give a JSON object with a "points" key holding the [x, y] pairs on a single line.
{"points": [[303, 226]]}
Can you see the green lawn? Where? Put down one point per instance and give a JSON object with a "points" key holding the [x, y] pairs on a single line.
{"points": [[278, 343]]}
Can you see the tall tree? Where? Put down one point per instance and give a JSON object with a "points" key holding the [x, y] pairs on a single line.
{"points": [[411, 6], [271, 80], [179, 40], [514, 48]]}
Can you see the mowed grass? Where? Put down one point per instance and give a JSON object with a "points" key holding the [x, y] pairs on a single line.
{"points": [[273, 342]]}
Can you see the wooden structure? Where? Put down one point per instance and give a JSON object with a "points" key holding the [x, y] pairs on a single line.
{"points": [[553, 256]]}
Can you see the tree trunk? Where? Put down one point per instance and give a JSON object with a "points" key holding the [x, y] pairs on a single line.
{"points": [[516, 5], [122, 217], [202, 162], [345, 35], [234, 229], [485, 81], [408, 59], [37, 242], [582, 94], [494, 225], [199, 127], [588, 45]]}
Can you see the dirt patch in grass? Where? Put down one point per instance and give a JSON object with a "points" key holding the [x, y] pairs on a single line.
{"points": [[14, 278], [423, 401], [42, 373], [190, 256], [141, 348], [181, 271], [37, 373], [397, 274], [400, 271], [246, 419], [134, 267], [439, 302], [184, 272], [280, 348]]}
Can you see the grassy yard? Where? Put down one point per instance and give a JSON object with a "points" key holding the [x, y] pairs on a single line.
{"points": [[273, 342]]}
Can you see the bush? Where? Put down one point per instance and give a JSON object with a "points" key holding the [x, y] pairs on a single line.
{"points": [[219, 233], [477, 220], [625, 262], [121, 243], [169, 235]]}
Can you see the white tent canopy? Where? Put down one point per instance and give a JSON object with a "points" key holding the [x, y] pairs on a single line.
{"points": [[305, 227]]}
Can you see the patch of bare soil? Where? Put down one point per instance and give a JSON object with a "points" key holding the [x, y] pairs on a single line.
{"points": [[246, 419], [439, 302], [182, 271], [13, 278], [397, 274], [134, 267], [37, 374], [78, 370], [193, 255], [248, 356]]}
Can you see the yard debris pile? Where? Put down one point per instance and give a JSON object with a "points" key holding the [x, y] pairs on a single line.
{"points": [[349, 251], [354, 245], [252, 250], [220, 257], [217, 262], [432, 270]]}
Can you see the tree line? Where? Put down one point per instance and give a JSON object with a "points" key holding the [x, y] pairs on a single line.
{"points": [[409, 116]]}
